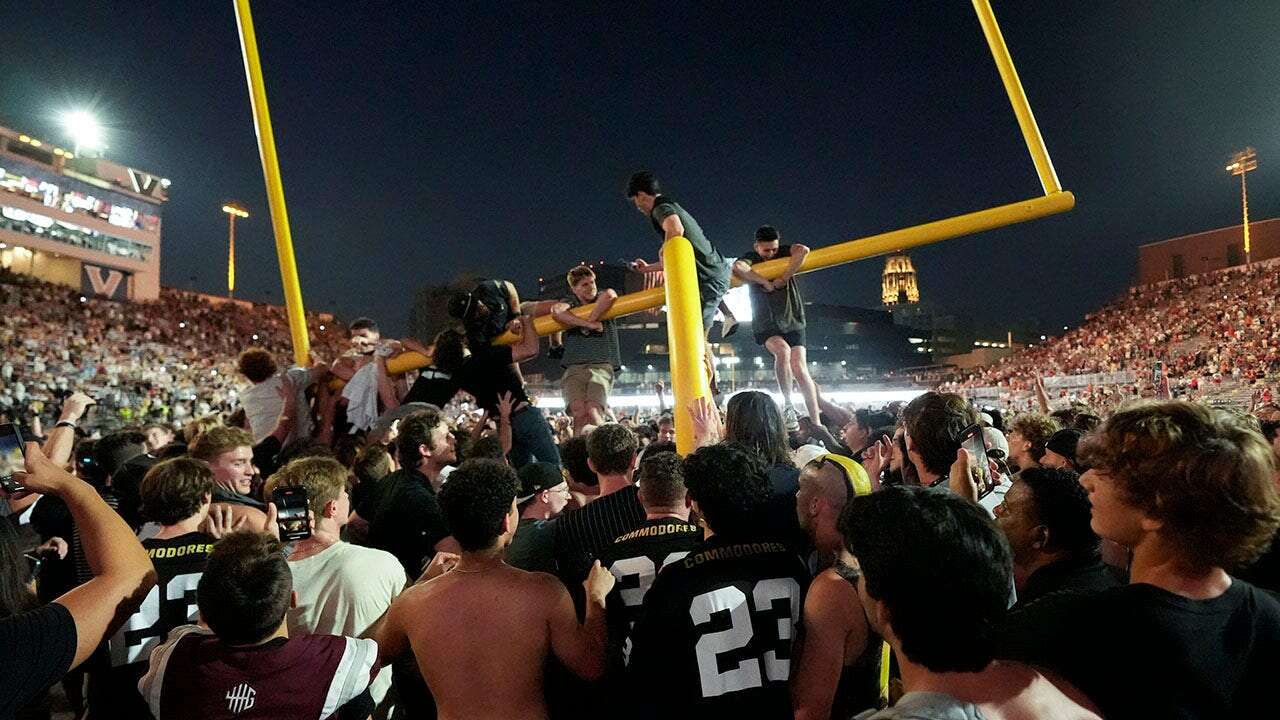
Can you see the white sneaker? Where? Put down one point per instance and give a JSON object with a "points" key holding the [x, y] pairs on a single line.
{"points": [[790, 419], [728, 326]]}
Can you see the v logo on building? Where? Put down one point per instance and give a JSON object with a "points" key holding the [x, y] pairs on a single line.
{"points": [[103, 281]]}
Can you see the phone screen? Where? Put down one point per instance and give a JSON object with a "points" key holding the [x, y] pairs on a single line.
{"points": [[12, 459], [979, 468], [291, 513], [1157, 373]]}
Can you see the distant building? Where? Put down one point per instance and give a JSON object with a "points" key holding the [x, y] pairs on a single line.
{"points": [[898, 281], [86, 223], [1207, 251]]}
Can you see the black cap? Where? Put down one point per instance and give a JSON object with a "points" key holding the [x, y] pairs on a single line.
{"points": [[536, 477], [1064, 443], [767, 233]]}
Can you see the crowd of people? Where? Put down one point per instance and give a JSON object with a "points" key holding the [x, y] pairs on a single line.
{"points": [[341, 541], [1204, 331], [166, 361]]}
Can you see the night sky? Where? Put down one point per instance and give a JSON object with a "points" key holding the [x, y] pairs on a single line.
{"points": [[421, 140]]}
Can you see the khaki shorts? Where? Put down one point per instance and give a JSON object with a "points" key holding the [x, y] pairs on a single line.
{"points": [[587, 382]]}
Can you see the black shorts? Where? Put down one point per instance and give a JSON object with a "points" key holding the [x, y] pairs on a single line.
{"points": [[795, 338]]}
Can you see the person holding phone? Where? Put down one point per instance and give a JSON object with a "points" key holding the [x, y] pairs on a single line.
{"points": [[342, 589], [40, 646], [935, 423]]}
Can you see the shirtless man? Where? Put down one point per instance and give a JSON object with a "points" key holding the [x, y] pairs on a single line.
{"points": [[513, 619]]}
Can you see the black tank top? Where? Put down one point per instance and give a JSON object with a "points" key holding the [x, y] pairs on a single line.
{"points": [[859, 687]]}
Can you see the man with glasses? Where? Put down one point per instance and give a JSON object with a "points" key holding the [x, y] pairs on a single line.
{"points": [[544, 494]]}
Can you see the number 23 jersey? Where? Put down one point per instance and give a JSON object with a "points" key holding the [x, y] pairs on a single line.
{"points": [[120, 662], [715, 633]]}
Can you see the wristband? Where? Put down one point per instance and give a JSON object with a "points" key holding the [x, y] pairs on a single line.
{"points": [[66, 423]]}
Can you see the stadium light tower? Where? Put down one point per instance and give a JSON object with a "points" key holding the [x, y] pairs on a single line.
{"points": [[233, 210], [1241, 163], [85, 132]]}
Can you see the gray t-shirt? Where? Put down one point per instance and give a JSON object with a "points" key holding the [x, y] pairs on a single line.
{"points": [[926, 706], [595, 349], [713, 270], [778, 312]]}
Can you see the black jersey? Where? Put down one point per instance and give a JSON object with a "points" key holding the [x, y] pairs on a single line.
{"points": [[121, 661], [635, 560], [715, 633]]}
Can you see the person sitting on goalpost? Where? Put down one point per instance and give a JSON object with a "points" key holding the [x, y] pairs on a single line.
{"points": [[591, 349], [778, 318]]}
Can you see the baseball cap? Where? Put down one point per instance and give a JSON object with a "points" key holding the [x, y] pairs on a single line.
{"points": [[1064, 443], [536, 477]]}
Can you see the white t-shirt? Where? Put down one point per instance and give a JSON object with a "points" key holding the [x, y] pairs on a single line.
{"points": [[262, 405], [343, 590]]}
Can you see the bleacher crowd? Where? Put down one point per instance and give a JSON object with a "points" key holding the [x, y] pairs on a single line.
{"points": [[1215, 335]]}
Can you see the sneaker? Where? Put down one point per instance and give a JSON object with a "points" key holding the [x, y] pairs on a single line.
{"points": [[728, 327], [791, 419]]}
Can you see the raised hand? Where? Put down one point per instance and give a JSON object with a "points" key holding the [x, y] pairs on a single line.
{"points": [[441, 563], [876, 458], [706, 421], [598, 583], [219, 522], [960, 479]]}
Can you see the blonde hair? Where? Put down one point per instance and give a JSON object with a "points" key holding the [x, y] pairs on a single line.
{"points": [[323, 478]]}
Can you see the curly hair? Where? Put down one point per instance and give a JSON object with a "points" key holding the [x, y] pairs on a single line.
{"points": [[612, 449], [1035, 428], [1206, 474], [257, 364], [449, 351], [731, 486], [478, 496], [174, 490], [661, 479]]}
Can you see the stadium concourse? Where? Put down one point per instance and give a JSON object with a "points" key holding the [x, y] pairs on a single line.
{"points": [[466, 555]]}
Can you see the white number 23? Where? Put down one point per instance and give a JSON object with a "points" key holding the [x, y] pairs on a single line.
{"points": [[748, 673]]}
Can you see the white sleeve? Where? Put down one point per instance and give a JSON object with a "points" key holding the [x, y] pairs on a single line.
{"points": [[153, 681], [355, 672]]}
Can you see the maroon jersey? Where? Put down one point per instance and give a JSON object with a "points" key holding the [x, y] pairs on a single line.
{"points": [[195, 676]]}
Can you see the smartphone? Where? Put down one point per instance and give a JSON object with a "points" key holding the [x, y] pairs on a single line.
{"points": [[973, 441], [13, 457], [1157, 374], [291, 513]]}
